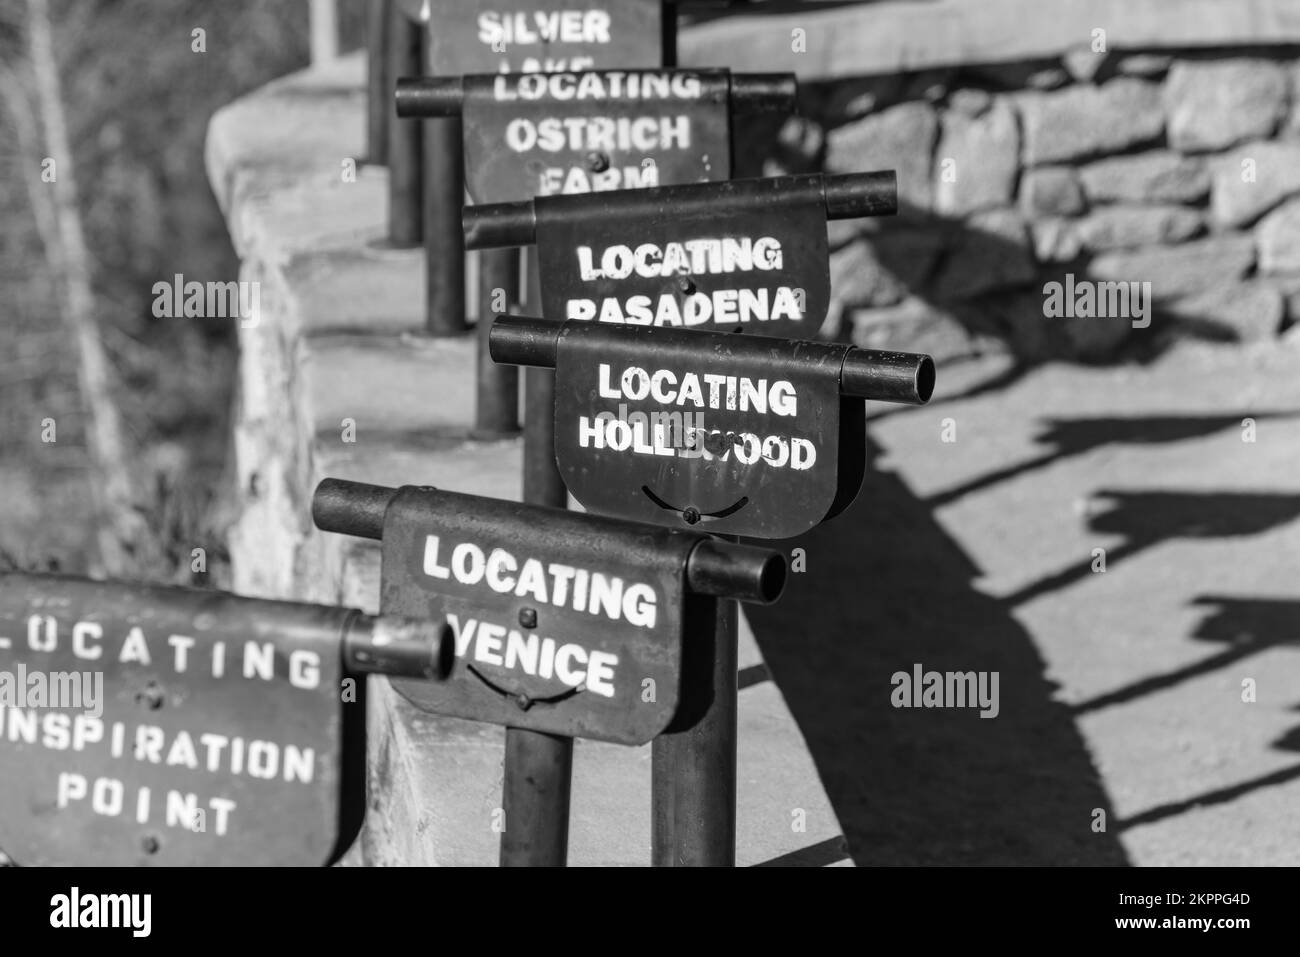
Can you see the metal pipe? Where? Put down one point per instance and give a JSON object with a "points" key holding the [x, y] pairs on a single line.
{"points": [[763, 93], [538, 772], [405, 140], [906, 377], [693, 769], [543, 484], [716, 567], [854, 195], [377, 13], [444, 245], [843, 196], [496, 408], [729, 570], [368, 644], [494, 225], [351, 508], [538, 767], [426, 96], [887, 376], [525, 341], [398, 646]]}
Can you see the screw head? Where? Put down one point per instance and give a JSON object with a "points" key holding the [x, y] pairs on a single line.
{"points": [[528, 617], [691, 515], [719, 443], [150, 844], [151, 696], [523, 701], [597, 162], [686, 284]]}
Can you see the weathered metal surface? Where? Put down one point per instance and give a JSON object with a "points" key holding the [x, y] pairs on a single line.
{"points": [[739, 435], [754, 269], [143, 725], [565, 623], [482, 36], [745, 254], [543, 134], [561, 620]]}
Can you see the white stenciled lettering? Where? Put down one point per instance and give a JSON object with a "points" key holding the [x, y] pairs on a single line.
{"points": [[579, 179], [603, 85], [721, 307], [554, 134], [568, 662], [702, 256], [497, 28], [593, 592], [702, 390], [605, 431]]}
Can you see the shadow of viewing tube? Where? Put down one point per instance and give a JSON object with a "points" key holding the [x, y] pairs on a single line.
{"points": [[718, 568], [843, 196]]}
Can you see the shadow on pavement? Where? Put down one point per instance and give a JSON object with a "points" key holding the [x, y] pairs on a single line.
{"points": [[1245, 626], [1069, 437], [1146, 519], [886, 588]]}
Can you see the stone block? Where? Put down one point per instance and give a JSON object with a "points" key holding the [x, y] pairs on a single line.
{"points": [[1214, 104]]}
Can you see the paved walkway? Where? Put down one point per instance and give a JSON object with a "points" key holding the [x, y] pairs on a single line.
{"points": [[1119, 690]]}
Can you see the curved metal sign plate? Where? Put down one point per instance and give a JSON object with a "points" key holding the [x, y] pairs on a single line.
{"points": [[635, 260], [734, 434], [565, 623], [542, 134], [165, 726]]}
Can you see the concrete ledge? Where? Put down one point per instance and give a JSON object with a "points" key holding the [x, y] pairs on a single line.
{"points": [[881, 38], [397, 384]]}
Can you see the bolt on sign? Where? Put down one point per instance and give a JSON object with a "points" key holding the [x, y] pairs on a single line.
{"points": [[746, 254], [527, 36], [539, 134], [740, 435], [150, 725], [563, 623]]}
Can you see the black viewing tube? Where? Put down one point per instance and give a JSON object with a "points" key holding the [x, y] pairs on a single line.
{"points": [[425, 96], [351, 508], [763, 92], [524, 341], [398, 646], [743, 572], [719, 568], [906, 377], [844, 196]]}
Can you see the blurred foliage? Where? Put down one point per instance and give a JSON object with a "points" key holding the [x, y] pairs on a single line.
{"points": [[138, 98]]}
